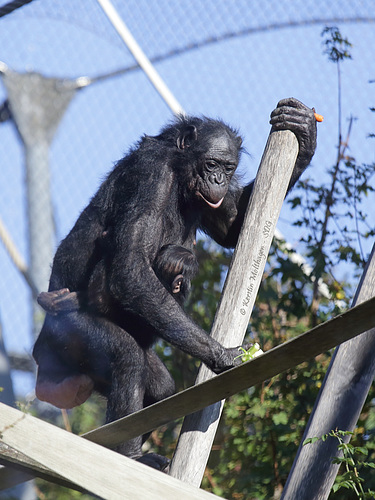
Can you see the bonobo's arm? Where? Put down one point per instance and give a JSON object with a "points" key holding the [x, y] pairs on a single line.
{"points": [[224, 224], [136, 288]]}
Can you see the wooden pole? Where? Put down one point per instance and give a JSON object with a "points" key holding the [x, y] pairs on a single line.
{"points": [[240, 291], [338, 406]]}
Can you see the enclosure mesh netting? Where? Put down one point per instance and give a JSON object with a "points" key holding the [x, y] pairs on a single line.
{"points": [[232, 60]]}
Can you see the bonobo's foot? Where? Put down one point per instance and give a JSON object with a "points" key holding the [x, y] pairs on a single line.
{"points": [[155, 461], [58, 301], [230, 358]]}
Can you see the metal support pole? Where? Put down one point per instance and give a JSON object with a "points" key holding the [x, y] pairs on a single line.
{"points": [[140, 57], [37, 105]]}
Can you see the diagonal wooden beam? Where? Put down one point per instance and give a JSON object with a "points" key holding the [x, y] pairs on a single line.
{"points": [[306, 346], [338, 406], [293, 352], [19, 468]]}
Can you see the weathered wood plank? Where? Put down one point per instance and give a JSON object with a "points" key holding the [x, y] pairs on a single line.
{"points": [[100, 471], [306, 346], [239, 294], [338, 406], [20, 468]]}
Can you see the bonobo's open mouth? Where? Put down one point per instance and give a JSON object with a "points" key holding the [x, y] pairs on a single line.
{"points": [[212, 205]]}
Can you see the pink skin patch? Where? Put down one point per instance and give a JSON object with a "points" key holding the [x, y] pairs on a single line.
{"points": [[70, 392], [212, 205]]}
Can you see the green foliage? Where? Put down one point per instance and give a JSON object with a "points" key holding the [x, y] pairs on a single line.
{"points": [[333, 212], [334, 216], [336, 46], [350, 478]]}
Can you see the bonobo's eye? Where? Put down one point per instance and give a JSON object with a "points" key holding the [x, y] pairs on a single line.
{"points": [[229, 168], [211, 165]]}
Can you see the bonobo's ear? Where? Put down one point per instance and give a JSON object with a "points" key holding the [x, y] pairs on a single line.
{"points": [[176, 283], [187, 136]]}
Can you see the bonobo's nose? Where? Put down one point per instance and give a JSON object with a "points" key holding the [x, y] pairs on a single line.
{"points": [[217, 178]]}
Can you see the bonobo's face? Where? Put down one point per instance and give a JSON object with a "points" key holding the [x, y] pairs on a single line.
{"points": [[220, 163], [211, 154]]}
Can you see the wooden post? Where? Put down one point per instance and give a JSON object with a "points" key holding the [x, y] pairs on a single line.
{"points": [[240, 291], [339, 403]]}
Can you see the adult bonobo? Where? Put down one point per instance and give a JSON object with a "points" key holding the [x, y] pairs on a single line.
{"points": [[158, 195]]}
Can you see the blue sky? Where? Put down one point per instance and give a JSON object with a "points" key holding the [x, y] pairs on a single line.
{"points": [[239, 79]]}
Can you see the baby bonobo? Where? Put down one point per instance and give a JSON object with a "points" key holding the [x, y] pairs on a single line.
{"points": [[156, 197], [175, 267]]}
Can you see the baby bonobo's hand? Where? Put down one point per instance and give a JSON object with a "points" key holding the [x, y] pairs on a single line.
{"points": [[231, 357]]}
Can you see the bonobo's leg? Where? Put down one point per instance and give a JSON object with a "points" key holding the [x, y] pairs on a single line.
{"points": [[159, 385], [59, 301], [127, 389], [77, 353], [133, 387], [159, 382], [74, 357]]}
